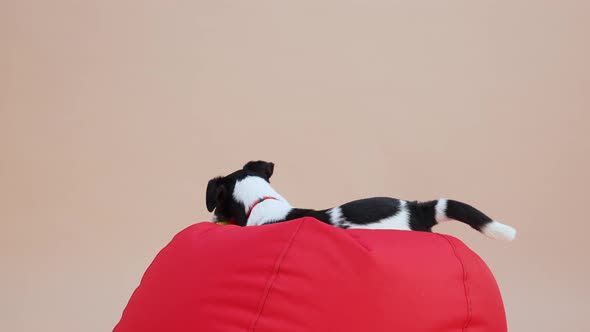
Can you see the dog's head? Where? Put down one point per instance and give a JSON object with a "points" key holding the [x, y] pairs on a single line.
{"points": [[221, 191]]}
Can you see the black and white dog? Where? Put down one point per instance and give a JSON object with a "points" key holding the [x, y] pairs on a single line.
{"points": [[245, 198]]}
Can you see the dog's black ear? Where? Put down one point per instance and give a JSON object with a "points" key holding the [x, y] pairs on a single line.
{"points": [[216, 193], [263, 168]]}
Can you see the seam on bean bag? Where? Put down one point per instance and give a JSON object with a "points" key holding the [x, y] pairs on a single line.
{"points": [[273, 277], [465, 284]]}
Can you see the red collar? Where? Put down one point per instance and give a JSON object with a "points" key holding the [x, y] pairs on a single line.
{"points": [[256, 203]]}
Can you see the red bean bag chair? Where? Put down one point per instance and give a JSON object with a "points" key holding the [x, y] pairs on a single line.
{"points": [[303, 275]]}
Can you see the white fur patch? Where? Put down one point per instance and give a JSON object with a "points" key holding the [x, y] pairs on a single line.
{"points": [[500, 231], [267, 211], [336, 217], [441, 211], [252, 188], [400, 220]]}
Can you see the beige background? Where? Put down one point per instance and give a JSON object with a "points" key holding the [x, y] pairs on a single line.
{"points": [[115, 114]]}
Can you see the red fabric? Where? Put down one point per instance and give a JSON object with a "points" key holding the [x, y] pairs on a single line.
{"points": [[304, 275]]}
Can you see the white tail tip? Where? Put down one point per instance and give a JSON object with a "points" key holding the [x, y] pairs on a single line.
{"points": [[499, 231]]}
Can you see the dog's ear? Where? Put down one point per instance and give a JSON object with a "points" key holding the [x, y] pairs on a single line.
{"points": [[216, 193], [263, 168]]}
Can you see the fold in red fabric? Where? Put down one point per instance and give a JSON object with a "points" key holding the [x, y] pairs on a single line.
{"points": [[304, 275]]}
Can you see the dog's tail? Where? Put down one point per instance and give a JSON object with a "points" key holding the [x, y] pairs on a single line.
{"points": [[445, 210]]}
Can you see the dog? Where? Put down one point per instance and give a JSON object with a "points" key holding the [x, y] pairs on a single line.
{"points": [[246, 198]]}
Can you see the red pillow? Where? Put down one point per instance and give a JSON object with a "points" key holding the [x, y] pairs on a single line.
{"points": [[304, 275]]}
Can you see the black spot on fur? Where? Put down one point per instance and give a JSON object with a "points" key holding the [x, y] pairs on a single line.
{"points": [[422, 215], [369, 210], [322, 215]]}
